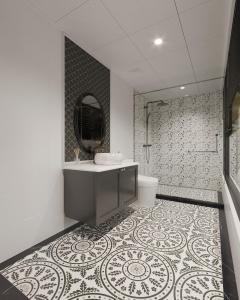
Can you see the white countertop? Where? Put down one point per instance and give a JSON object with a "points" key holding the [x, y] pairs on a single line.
{"points": [[89, 166]]}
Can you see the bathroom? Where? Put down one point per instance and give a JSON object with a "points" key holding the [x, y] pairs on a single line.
{"points": [[120, 149]]}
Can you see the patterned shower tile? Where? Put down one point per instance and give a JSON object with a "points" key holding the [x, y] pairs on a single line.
{"points": [[183, 138], [170, 251]]}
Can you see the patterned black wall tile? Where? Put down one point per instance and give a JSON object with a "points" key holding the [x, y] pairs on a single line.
{"points": [[83, 74]]}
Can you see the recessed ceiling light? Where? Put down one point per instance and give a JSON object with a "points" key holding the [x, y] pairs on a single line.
{"points": [[158, 41], [182, 87]]}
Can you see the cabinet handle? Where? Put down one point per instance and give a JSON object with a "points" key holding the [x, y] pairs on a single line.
{"points": [[123, 169]]}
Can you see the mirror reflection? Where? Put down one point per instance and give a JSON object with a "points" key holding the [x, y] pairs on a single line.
{"points": [[234, 140], [89, 123]]}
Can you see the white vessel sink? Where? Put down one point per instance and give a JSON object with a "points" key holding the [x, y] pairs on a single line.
{"points": [[108, 158]]}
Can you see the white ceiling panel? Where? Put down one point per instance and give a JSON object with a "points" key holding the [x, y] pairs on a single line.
{"points": [[208, 58], [134, 15], [169, 30], [171, 93], [183, 5], [194, 89], [173, 67], [91, 26], [205, 21], [120, 34], [55, 9], [119, 55], [141, 76], [210, 86], [148, 84]]}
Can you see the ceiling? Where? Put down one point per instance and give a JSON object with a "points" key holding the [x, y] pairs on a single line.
{"points": [[192, 89], [120, 34]]}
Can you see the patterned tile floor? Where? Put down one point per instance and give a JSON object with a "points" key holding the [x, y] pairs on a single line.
{"points": [[171, 252], [191, 193]]}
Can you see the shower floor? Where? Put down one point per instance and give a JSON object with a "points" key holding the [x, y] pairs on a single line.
{"points": [[190, 193]]}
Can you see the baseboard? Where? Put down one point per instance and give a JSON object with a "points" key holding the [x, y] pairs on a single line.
{"points": [[36, 247], [9, 292], [219, 204]]}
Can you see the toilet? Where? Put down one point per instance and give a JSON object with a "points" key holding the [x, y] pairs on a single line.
{"points": [[147, 190]]}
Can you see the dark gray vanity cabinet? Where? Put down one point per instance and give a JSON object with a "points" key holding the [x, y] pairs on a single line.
{"points": [[106, 194], [127, 186], [94, 197]]}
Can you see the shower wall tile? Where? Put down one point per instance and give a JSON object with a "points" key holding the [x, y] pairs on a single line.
{"points": [[175, 132]]}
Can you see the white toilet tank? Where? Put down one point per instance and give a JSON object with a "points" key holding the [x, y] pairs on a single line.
{"points": [[147, 190]]}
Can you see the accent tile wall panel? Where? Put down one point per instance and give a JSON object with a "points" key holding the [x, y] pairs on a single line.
{"points": [[84, 74]]}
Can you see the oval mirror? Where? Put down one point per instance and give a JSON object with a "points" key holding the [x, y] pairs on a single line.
{"points": [[89, 123]]}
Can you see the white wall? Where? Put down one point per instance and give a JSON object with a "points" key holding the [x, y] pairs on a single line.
{"points": [[121, 117], [233, 225], [31, 129]]}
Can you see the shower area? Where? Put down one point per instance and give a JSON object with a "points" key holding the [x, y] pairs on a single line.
{"points": [[178, 139]]}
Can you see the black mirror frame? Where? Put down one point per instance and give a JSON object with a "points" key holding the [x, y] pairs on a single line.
{"points": [[77, 129]]}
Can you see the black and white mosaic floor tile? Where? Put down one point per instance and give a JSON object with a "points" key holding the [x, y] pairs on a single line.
{"points": [[171, 251]]}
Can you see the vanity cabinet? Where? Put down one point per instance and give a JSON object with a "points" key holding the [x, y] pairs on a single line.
{"points": [[106, 194], [93, 197], [127, 186]]}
